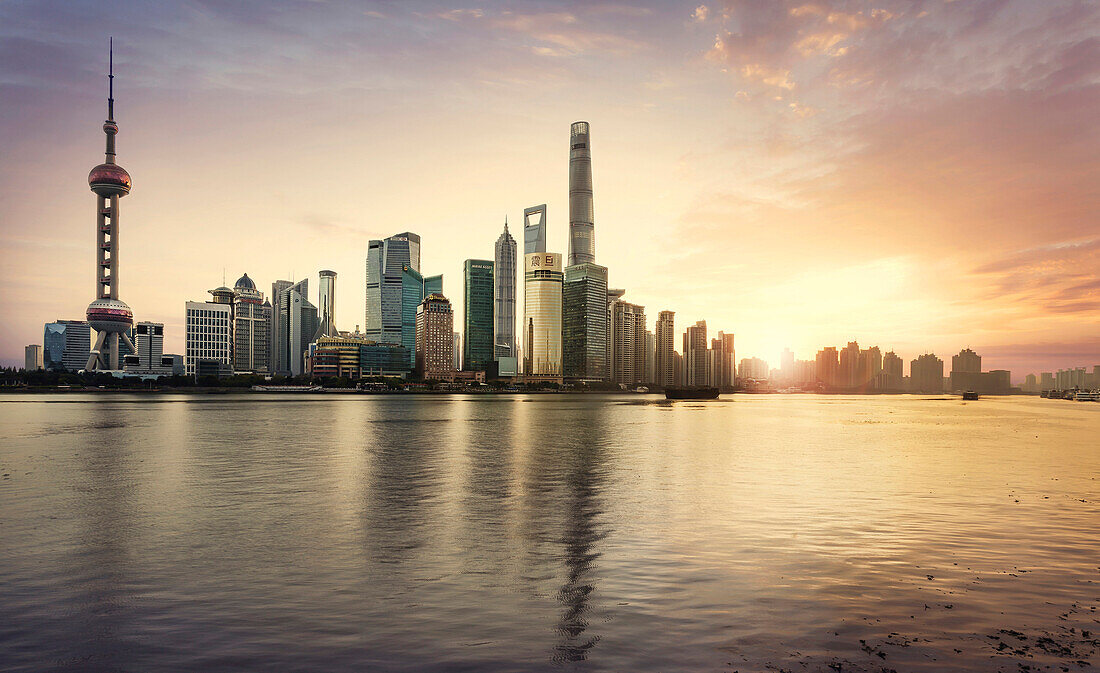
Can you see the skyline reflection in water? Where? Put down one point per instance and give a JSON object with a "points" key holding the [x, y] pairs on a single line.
{"points": [[531, 532]]}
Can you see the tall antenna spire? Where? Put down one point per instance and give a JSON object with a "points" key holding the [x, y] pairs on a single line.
{"points": [[111, 80], [109, 126]]}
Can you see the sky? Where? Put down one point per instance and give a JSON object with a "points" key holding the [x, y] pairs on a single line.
{"points": [[919, 175]]}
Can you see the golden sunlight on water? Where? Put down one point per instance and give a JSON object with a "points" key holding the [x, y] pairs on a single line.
{"points": [[601, 533]]}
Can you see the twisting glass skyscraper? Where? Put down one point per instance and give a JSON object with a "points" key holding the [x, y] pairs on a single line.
{"points": [[582, 235], [504, 296]]}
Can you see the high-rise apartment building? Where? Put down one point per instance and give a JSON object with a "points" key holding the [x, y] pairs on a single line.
{"points": [[435, 339], [926, 374], [207, 336], [966, 371], [627, 343], [66, 345], [252, 316], [725, 356], [585, 322], [650, 357], [534, 229], [848, 372], [504, 295], [32, 358], [695, 354], [666, 348], [892, 376], [613, 295], [542, 291], [870, 364], [477, 308], [966, 361], [827, 366], [582, 234], [786, 366]]}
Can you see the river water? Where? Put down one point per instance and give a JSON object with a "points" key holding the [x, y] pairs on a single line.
{"points": [[549, 532]]}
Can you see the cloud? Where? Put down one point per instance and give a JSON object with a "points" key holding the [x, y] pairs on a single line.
{"points": [[700, 14], [460, 14]]}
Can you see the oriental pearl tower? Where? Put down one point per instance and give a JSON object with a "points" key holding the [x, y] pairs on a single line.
{"points": [[110, 317]]}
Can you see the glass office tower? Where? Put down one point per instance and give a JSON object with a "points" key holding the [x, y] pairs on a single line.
{"points": [[504, 297], [542, 287], [477, 324], [584, 322], [386, 261]]}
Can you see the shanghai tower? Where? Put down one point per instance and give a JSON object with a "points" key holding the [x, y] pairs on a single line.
{"points": [[582, 235]]}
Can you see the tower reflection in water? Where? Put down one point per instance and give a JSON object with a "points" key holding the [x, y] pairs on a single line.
{"points": [[584, 473]]}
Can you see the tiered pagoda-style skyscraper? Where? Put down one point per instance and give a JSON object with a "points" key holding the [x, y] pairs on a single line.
{"points": [[108, 315]]}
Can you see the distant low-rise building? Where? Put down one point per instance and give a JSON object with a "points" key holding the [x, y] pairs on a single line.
{"points": [[32, 358], [149, 358], [66, 345], [753, 368], [207, 335], [354, 358]]}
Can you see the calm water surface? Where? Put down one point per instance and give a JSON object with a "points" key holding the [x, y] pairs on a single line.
{"points": [[515, 533]]}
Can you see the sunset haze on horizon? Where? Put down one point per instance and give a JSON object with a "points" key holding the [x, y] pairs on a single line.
{"points": [[920, 176]]}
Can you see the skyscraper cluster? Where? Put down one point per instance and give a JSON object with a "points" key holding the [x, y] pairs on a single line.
{"points": [[573, 326]]}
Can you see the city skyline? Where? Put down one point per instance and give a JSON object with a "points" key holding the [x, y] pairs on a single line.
{"points": [[911, 285]]}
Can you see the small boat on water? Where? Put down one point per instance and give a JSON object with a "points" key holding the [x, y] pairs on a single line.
{"points": [[691, 393], [287, 389], [970, 395], [1087, 396]]}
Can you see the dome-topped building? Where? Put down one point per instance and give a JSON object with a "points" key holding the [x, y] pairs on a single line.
{"points": [[245, 283]]}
